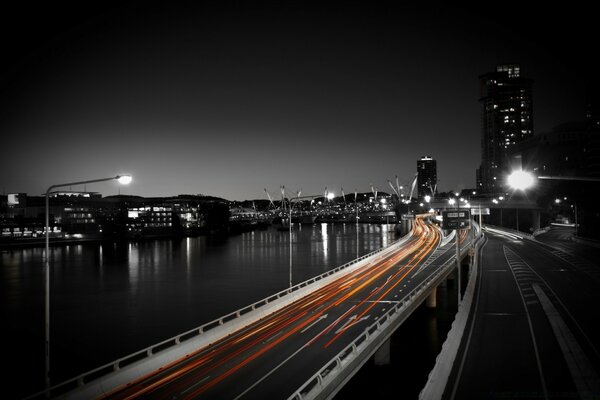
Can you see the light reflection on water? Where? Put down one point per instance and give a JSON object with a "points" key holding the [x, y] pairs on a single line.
{"points": [[109, 300]]}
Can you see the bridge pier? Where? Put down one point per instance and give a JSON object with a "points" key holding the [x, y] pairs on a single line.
{"points": [[404, 226], [431, 301], [383, 355]]}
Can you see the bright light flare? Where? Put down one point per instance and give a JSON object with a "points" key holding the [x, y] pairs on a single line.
{"points": [[330, 196], [520, 180], [124, 179]]}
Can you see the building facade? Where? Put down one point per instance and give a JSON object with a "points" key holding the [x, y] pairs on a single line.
{"points": [[506, 119], [426, 177]]}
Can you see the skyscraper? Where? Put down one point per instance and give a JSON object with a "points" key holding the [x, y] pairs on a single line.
{"points": [[426, 177], [506, 119]]}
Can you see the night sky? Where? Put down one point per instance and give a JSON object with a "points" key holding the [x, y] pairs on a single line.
{"points": [[229, 98]]}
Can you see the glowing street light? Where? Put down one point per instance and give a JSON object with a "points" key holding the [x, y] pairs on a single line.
{"points": [[122, 179], [520, 180]]}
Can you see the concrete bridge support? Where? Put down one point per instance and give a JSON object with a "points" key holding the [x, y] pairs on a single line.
{"points": [[431, 301], [382, 355], [404, 226]]}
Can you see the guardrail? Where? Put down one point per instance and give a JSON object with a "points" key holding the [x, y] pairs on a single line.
{"points": [[81, 380], [322, 385]]}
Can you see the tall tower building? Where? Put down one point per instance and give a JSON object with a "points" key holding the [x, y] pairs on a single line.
{"points": [[426, 177], [506, 119]]}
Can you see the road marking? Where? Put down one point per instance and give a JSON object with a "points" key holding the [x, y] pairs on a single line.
{"points": [[273, 337], [270, 372], [586, 380], [352, 318], [333, 323], [497, 313], [195, 385], [314, 323], [384, 301], [512, 259]]}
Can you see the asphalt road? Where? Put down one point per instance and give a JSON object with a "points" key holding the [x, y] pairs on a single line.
{"points": [[534, 331]]}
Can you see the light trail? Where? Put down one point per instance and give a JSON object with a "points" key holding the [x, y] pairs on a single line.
{"points": [[204, 369]]}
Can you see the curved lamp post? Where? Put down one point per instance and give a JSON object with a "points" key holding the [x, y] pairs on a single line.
{"points": [[122, 179]]}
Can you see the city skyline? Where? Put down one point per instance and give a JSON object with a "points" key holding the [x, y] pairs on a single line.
{"points": [[229, 100]]}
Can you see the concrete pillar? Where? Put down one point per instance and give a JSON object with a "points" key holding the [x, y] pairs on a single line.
{"points": [[431, 301], [382, 355], [405, 227]]}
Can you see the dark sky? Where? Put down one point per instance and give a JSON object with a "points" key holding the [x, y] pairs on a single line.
{"points": [[228, 98]]}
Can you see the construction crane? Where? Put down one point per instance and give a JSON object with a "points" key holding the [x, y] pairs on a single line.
{"points": [[412, 187], [270, 199]]}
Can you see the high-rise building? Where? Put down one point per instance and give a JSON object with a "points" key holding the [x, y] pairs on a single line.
{"points": [[426, 177], [506, 119]]}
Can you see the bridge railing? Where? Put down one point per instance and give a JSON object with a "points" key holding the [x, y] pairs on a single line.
{"points": [[314, 387], [118, 364]]}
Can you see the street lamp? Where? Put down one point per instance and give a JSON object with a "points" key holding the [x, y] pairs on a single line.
{"points": [[122, 179], [290, 230], [520, 180]]}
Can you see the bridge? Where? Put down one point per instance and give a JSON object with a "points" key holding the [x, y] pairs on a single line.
{"points": [[305, 342]]}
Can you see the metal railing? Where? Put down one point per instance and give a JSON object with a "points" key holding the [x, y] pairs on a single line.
{"points": [[142, 354]]}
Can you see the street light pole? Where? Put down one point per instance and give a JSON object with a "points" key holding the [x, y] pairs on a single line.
{"points": [[123, 179], [290, 227], [356, 210], [576, 223], [458, 259]]}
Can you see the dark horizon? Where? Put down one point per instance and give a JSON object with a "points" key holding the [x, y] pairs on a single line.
{"points": [[226, 100]]}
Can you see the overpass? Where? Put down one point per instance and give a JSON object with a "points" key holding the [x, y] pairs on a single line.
{"points": [[304, 342]]}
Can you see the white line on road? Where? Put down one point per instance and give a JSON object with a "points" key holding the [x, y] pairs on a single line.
{"points": [[352, 318], [586, 380], [314, 323], [195, 385]]}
